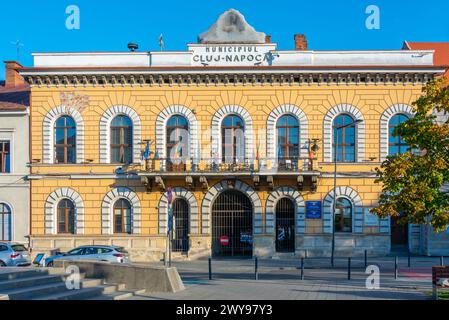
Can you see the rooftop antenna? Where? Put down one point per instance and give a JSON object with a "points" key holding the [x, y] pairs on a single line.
{"points": [[161, 42], [18, 44]]}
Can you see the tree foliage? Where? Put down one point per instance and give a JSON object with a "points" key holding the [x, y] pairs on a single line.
{"points": [[412, 183]]}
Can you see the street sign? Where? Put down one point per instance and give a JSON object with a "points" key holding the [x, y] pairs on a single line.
{"points": [[224, 240], [246, 237], [313, 209], [170, 218]]}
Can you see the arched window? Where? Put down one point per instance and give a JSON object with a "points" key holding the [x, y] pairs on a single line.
{"points": [[396, 144], [343, 215], [65, 140], [121, 140], [122, 216], [287, 139], [285, 225], [346, 138], [233, 139], [66, 217], [177, 142], [5, 222]]}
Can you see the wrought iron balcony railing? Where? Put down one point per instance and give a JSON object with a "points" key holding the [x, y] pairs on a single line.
{"points": [[214, 165]]}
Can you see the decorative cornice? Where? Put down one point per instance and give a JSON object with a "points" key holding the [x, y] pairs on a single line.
{"points": [[233, 78]]}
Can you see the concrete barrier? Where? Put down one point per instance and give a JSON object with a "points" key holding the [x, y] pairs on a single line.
{"points": [[134, 277]]}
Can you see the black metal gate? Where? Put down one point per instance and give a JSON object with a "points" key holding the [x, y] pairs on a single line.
{"points": [[285, 225], [232, 225], [180, 241]]}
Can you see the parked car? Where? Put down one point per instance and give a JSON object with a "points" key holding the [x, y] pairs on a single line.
{"points": [[14, 254], [100, 253]]}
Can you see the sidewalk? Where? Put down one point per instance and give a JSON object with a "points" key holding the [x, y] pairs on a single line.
{"points": [[280, 280]]}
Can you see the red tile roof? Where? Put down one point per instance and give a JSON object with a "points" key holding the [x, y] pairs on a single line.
{"points": [[18, 95]]}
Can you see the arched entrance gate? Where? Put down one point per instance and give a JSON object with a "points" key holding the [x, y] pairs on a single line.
{"points": [[232, 225]]}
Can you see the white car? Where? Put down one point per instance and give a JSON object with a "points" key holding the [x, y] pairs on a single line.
{"points": [[14, 255]]}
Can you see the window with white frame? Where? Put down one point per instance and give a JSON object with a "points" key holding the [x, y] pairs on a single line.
{"points": [[65, 140], [5, 156], [5, 222]]}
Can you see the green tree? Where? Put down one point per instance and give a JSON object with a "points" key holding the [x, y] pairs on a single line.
{"points": [[412, 182]]}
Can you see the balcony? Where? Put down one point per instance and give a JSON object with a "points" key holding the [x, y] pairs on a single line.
{"points": [[263, 172]]}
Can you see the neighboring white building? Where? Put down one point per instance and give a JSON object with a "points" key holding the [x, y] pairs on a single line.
{"points": [[14, 157]]}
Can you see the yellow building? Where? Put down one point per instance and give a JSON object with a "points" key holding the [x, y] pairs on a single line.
{"points": [[240, 136]]}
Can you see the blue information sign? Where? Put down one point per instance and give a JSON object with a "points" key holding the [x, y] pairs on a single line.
{"points": [[313, 209]]}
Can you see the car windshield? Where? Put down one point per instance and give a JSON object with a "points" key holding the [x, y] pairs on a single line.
{"points": [[18, 247], [121, 250]]}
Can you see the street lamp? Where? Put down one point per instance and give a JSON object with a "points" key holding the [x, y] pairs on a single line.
{"points": [[334, 205]]}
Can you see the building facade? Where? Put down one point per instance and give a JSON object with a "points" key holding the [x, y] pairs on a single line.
{"points": [[14, 157], [234, 137]]}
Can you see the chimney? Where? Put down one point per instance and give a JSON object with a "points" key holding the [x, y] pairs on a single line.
{"points": [[300, 42], [13, 78], [267, 39]]}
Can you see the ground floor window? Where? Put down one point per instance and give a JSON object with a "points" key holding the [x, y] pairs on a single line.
{"points": [[343, 215], [5, 222], [285, 225], [180, 241], [66, 216], [122, 216]]}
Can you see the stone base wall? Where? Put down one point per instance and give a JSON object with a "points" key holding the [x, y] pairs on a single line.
{"points": [[346, 245], [153, 248]]}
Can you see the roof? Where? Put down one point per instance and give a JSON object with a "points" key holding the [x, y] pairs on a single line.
{"points": [[16, 95], [441, 55], [9, 106]]}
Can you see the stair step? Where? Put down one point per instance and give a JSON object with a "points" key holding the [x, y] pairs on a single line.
{"points": [[28, 293], [81, 294], [119, 295], [84, 293], [44, 290], [30, 281], [18, 274], [112, 287]]}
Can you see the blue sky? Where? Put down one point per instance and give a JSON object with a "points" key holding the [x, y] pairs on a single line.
{"points": [[108, 25]]}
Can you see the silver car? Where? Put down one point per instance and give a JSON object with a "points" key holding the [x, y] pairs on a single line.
{"points": [[14, 254], [100, 253]]}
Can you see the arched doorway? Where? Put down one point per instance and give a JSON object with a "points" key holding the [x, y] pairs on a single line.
{"points": [[285, 225], [180, 242], [232, 225]]}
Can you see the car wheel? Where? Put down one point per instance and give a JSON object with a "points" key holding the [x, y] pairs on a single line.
{"points": [[50, 264], [2, 264]]}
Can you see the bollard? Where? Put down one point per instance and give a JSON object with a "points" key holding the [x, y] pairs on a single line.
{"points": [[256, 272], [408, 259], [395, 267], [366, 258], [210, 268], [442, 261], [302, 268], [349, 268]]}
